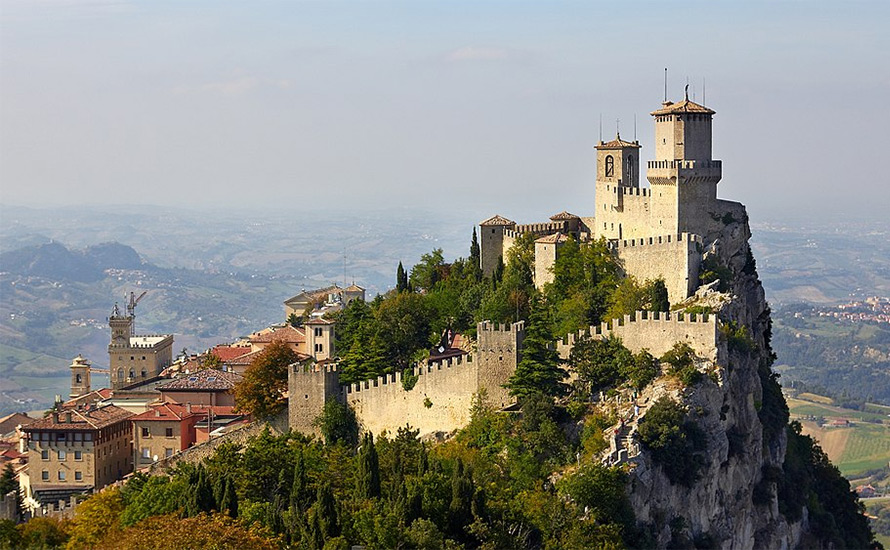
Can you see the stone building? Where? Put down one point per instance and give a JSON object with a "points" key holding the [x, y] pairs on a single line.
{"points": [[75, 451], [135, 358], [332, 297], [204, 387], [655, 231], [162, 430]]}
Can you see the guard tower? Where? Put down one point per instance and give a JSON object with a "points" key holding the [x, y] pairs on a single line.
{"points": [[80, 377], [617, 176], [683, 176]]}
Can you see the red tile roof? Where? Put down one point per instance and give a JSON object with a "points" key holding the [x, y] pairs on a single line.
{"points": [[684, 106], [563, 216], [227, 353], [92, 397], [554, 238], [287, 334], [166, 412], [85, 419], [497, 219], [618, 143]]}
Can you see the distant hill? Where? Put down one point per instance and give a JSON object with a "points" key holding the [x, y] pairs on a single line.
{"points": [[56, 262]]}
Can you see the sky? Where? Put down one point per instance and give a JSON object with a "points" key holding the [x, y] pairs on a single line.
{"points": [[481, 107]]}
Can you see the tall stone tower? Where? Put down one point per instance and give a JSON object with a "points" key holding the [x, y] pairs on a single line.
{"points": [[683, 176], [491, 241], [617, 175], [80, 377], [134, 358]]}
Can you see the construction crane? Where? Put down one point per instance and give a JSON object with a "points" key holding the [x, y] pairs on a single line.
{"points": [[131, 305]]}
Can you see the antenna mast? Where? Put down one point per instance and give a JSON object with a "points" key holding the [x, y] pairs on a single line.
{"points": [[704, 98], [635, 127], [601, 127]]}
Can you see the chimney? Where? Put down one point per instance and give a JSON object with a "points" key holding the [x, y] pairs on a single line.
{"points": [[157, 413], [55, 417], [188, 408], [68, 417]]}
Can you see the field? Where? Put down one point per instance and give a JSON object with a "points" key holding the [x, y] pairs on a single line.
{"points": [[865, 445]]}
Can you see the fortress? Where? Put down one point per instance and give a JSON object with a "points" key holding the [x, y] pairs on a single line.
{"points": [[656, 232]]}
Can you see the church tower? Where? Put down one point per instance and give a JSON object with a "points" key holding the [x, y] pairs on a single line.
{"points": [[683, 177], [135, 358], [617, 175], [80, 377]]}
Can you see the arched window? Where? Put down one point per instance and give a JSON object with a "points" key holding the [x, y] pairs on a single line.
{"points": [[610, 167], [630, 169], [77, 379], [120, 374], [132, 373]]}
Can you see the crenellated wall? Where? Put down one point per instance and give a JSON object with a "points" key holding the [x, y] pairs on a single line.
{"points": [[674, 258], [656, 332], [439, 401]]}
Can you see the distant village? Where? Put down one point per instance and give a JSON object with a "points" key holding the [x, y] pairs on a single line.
{"points": [[156, 406]]}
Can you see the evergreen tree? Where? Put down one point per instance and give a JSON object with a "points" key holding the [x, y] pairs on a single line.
{"points": [[326, 508], [401, 279], [462, 492], [201, 498], [229, 502], [298, 489], [7, 480], [539, 368], [658, 296], [475, 258], [368, 480]]}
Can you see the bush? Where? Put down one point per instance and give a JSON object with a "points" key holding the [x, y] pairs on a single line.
{"points": [[675, 443], [681, 359], [338, 424]]}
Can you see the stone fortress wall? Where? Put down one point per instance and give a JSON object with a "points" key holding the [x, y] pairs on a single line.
{"points": [[674, 258], [439, 401]]}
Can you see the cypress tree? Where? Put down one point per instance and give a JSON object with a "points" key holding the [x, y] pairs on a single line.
{"points": [[326, 509], [476, 257], [538, 370], [401, 279], [368, 469], [229, 503], [658, 298], [298, 489], [462, 490]]}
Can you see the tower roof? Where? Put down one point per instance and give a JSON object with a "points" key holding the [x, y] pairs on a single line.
{"points": [[497, 220], [555, 238], [618, 143], [564, 216], [684, 106]]}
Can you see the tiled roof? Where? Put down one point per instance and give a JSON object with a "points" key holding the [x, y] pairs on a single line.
{"points": [[618, 143], [497, 220], [92, 397], [319, 321], [684, 106], [165, 412], [554, 238], [311, 295], [10, 421], [245, 359], [203, 380], [227, 353], [287, 334], [85, 419], [563, 216], [354, 288]]}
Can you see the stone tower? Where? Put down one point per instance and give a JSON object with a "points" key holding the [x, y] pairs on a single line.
{"points": [[617, 175], [80, 377], [320, 338], [498, 355], [683, 177], [135, 358], [491, 241], [309, 388]]}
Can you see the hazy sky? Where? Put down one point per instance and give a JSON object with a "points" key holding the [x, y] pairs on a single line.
{"points": [[484, 106]]}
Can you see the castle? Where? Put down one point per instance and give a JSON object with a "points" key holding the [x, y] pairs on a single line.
{"points": [[655, 232]]}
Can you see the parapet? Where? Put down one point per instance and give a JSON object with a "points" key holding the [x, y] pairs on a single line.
{"points": [[422, 369], [655, 331], [620, 244], [488, 326]]}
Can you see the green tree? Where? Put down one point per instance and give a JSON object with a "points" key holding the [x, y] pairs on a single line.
{"points": [[674, 442], [44, 533], [475, 259], [539, 367], [10, 537], [401, 279], [658, 296], [294, 320], [600, 362], [261, 391], [368, 478], [8, 482], [338, 424], [428, 271], [95, 518]]}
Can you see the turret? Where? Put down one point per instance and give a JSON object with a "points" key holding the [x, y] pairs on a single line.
{"points": [[617, 174], [491, 241]]}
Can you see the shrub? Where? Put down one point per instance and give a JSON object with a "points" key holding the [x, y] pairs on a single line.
{"points": [[681, 359], [675, 443]]}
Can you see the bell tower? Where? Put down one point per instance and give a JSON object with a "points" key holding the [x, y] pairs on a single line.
{"points": [[80, 377], [617, 174]]}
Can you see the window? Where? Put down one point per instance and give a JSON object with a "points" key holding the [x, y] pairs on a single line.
{"points": [[44, 455], [146, 452], [318, 348], [60, 437], [62, 455], [317, 332], [610, 166], [144, 372], [168, 452], [87, 436], [44, 436], [78, 455], [145, 432], [132, 372], [44, 475], [78, 379], [78, 436], [168, 432], [78, 475], [61, 475], [630, 168]]}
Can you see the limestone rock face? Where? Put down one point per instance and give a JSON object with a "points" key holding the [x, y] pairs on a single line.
{"points": [[720, 509]]}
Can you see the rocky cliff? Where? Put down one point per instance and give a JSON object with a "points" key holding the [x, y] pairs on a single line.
{"points": [[739, 409]]}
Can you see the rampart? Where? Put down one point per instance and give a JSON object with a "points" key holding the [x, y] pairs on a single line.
{"points": [[656, 332], [674, 258], [439, 400]]}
